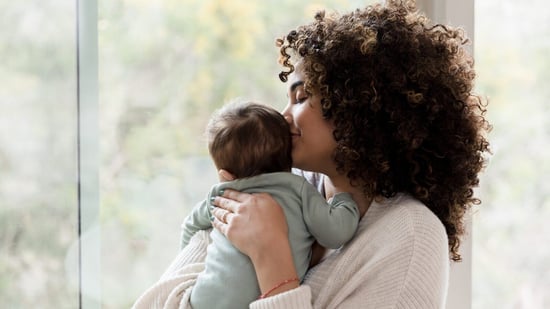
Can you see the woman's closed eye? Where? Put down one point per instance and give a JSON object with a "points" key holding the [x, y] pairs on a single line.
{"points": [[301, 95], [300, 100]]}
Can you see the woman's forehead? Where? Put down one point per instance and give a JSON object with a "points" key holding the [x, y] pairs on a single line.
{"points": [[296, 79]]}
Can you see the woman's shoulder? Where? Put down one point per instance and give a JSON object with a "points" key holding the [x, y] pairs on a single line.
{"points": [[400, 245], [404, 212], [405, 224], [404, 239]]}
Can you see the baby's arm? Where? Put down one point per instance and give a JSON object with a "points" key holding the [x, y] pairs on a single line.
{"points": [[198, 219], [332, 224]]}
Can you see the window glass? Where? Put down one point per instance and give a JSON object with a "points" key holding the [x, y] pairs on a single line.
{"points": [[164, 66], [38, 155], [511, 232]]}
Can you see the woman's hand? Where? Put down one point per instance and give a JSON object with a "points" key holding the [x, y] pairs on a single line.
{"points": [[256, 225], [252, 222]]}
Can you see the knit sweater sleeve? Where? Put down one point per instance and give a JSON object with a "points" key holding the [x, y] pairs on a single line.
{"points": [[407, 268], [398, 259], [299, 298]]}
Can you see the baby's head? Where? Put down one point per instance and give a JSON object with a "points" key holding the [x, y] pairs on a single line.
{"points": [[248, 139]]}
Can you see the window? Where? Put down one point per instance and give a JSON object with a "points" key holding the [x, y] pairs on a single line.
{"points": [[38, 155], [510, 230], [109, 144]]}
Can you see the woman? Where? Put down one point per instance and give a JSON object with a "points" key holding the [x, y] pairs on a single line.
{"points": [[381, 104]]}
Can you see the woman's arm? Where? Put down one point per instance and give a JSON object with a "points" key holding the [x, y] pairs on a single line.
{"points": [[256, 225]]}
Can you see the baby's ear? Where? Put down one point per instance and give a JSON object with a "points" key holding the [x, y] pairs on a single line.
{"points": [[225, 175]]}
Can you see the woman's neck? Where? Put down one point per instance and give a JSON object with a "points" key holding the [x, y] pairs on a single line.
{"points": [[336, 184]]}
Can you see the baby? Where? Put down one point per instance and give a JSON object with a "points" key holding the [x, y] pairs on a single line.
{"points": [[252, 142]]}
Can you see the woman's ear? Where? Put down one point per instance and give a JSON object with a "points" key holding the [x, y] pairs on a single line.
{"points": [[225, 175]]}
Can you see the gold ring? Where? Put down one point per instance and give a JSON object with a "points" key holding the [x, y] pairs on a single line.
{"points": [[224, 216]]}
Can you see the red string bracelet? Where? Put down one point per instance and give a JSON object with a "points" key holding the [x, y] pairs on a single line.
{"points": [[280, 284]]}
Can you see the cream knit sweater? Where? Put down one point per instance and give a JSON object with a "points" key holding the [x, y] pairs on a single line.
{"points": [[397, 259]]}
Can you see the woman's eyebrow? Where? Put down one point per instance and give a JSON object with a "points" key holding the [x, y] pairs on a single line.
{"points": [[295, 85]]}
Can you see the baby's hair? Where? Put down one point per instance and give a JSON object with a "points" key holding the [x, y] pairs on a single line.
{"points": [[248, 139]]}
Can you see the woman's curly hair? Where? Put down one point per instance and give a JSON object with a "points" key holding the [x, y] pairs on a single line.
{"points": [[399, 92]]}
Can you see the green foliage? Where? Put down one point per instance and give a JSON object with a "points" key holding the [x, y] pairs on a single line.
{"points": [[510, 227]]}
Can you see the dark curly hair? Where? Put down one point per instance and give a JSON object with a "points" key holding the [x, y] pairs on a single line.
{"points": [[399, 92]]}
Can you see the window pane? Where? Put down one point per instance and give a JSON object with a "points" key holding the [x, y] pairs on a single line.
{"points": [[511, 266], [164, 66], [38, 188]]}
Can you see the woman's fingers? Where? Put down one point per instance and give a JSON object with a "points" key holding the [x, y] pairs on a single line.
{"points": [[222, 220], [253, 223], [221, 214], [220, 226], [230, 200], [224, 217], [226, 206]]}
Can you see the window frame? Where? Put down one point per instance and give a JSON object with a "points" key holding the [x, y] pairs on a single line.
{"points": [[89, 243]]}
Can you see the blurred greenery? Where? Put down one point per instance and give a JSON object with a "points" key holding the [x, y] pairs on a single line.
{"points": [[164, 66], [38, 197], [511, 266]]}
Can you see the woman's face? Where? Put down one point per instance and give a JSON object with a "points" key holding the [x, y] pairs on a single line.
{"points": [[312, 141]]}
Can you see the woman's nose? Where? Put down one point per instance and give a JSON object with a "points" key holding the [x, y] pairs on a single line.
{"points": [[286, 113], [288, 118]]}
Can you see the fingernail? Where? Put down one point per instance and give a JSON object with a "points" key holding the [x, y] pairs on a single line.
{"points": [[212, 199], [211, 218], [221, 191]]}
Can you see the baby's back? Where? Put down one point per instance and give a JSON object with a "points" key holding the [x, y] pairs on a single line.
{"points": [[229, 279]]}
